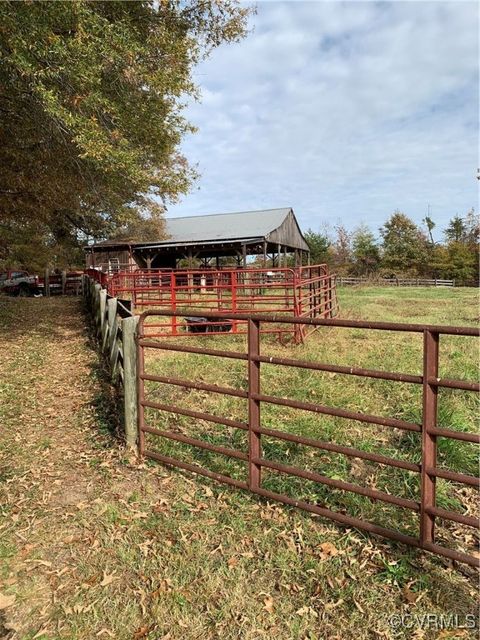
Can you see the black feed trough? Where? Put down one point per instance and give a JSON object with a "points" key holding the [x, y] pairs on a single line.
{"points": [[208, 325]]}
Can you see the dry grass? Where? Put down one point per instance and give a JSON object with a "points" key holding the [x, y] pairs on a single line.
{"points": [[95, 545]]}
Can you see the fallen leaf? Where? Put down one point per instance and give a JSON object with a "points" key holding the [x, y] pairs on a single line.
{"points": [[331, 605], [165, 586], [328, 550], [307, 611], [268, 604], [143, 632], [410, 596], [6, 601], [108, 578]]}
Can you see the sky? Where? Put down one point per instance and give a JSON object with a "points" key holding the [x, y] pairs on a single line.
{"points": [[345, 111]]}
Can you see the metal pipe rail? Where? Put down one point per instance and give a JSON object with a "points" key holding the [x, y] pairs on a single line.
{"points": [[428, 428], [301, 291]]}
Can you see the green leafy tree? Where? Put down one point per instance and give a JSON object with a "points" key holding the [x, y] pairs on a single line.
{"points": [[462, 248], [455, 261], [456, 230], [319, 246], [33, 246], [91, 100], [404, 245], [365, 252]]}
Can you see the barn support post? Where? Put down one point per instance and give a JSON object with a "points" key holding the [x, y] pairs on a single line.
{"points": [[244, 254], [264, 254], [279, 254], [190, 275], [285, 257], [129, 331]]}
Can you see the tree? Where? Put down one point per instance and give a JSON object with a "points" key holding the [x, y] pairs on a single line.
{"points": [[430, 224], [342, 251], [404, 245], [456, 230], [462, 248], [91, 99], [472, 227], [33, 246], [142, 229], [365, 252], [319, 246]]}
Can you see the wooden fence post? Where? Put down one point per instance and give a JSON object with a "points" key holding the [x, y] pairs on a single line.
{"points": [[46, 283], [111, 346], [96, 307], [64, 282], [83, 286], [130, 388], [103, 308]]}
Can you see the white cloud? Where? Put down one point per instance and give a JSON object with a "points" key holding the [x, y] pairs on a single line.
{"points": [[342, 110]]}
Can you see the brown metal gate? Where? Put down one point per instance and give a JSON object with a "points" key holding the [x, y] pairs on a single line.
{"points": [[427, 470]]}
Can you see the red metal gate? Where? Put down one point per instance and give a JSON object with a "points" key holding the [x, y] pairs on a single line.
{"points": [[308, 292], [428, 470]]}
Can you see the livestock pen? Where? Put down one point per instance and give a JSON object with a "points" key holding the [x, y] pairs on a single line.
{"points": [[303, 292]]}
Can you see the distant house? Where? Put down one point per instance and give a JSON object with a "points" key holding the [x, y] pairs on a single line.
{"points": [[271, 233]]}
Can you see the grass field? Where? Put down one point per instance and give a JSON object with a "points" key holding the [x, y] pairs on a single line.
{"points": [[95, 544], [369, 349]]}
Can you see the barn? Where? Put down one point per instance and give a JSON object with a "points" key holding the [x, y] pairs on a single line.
{"points": [[272, 234]]}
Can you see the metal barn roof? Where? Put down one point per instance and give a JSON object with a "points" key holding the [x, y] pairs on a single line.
{"points": [[225, 226], [274, 226]]}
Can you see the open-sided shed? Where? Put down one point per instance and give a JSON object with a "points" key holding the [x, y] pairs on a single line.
{"points": [[273, 233]]}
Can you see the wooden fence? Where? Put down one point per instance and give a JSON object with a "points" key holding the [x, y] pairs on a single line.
{"points": [[65, 283], [115, 328], [343, 281]]}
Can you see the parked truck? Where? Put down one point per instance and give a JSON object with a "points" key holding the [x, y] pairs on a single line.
{"points": [[19, 283]]}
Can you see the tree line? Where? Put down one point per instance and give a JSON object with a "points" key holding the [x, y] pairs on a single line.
{"points": [[402, 248]]}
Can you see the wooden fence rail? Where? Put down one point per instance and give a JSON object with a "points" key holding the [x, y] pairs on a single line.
{"points": [[343, 281], [65, 283], [115, 329]]}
